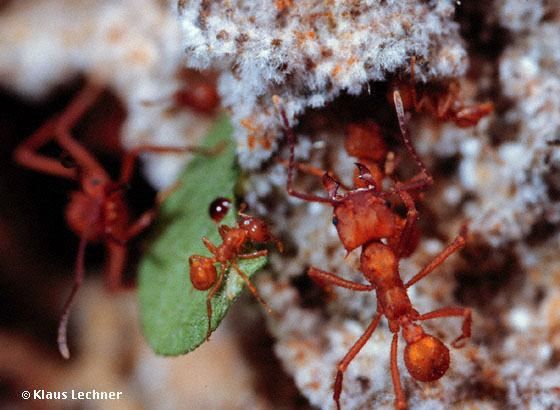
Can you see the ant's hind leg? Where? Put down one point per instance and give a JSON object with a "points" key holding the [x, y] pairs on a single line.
{"points": [[354, 350], [400, 398], [465, 313], [251, 287], [209, 300]]}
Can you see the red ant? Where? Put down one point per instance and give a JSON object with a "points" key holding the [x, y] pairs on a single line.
{"points": [[197, 93], [363, 218], [98, 212], [199, 96], [203, 273], [444, 103]]}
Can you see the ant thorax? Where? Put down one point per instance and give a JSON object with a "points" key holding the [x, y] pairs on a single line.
{"points": [[362, 217]]}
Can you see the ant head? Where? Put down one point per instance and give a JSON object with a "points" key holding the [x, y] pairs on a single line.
{"points": [[427, 358], [256, 229], [365, 140], [95, 184], [202, 272]]}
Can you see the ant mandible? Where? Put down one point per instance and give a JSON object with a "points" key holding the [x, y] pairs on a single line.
{"points": [[363, 218], [444, 103], [249, 229], [98, 212]]}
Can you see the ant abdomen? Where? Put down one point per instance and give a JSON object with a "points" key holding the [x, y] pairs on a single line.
{"points": [[426, 359], [202, 272]]}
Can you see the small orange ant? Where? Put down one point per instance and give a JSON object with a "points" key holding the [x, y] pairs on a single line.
{"points": [[444, 103], [203, 273], [98, 212], [363, 218]]}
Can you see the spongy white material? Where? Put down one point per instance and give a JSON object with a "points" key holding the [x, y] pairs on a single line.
{"points": [[309, 52], [131, 46]]}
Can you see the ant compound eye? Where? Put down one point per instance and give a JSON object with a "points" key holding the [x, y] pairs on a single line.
{"points": [[335, 221], [219, 208]]}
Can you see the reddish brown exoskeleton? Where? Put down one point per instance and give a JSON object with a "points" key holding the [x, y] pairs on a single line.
{"points": [[199, 96], [197, 93], [203, 272], [98, 211], [363, 218], [443, 102]]}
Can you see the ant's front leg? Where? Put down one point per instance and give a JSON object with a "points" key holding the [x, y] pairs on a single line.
{"points": [[291, 138], [326, 279], [58, 128], [209, 245], [211, 294], [465, 313]]}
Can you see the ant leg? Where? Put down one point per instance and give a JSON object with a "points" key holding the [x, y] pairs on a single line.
{"points": [[211, 294], [26, 154], [325, 279], [129, 161], [251, 287], [354, 350], [411, 218], [68, 120], [116, 262], [78, 279], [454, 246], [405, 137], [291, 138], [314, 171], [400, 398], [253, 255], [209, 245], [465, 313]]}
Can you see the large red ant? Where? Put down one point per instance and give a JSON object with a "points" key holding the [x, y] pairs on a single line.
{"points": [[203, 273], [98, 212], [444, 103], [363, 218]]}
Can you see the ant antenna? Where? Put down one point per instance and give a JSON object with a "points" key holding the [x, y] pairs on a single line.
{"points": [[78, 279], [399, 108]]}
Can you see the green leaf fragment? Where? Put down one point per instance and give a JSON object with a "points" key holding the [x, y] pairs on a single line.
{"points": [[173, 313]]}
